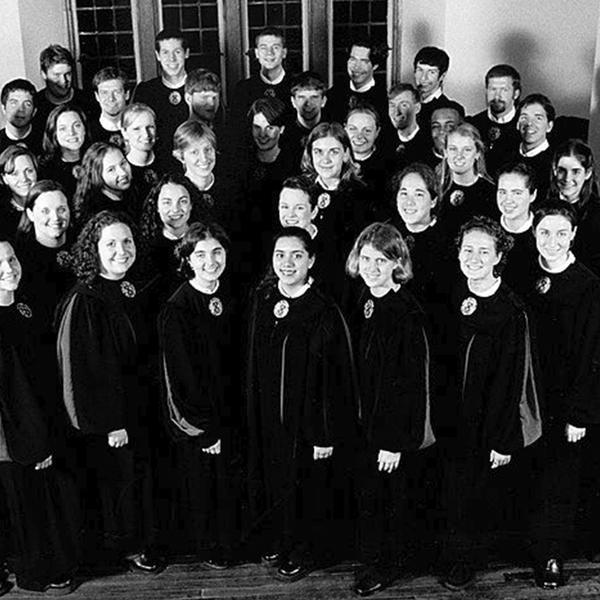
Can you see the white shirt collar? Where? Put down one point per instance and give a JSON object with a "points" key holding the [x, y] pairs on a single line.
{"points": [[568, 263], [14, 139], [535, 151], [275, 81], [489, 292], [408, 137], [298, 292], [432, 97], [525, 227], [365, 88], [509, 116]]}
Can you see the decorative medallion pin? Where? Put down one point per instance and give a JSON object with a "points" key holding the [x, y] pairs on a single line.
{"points": [[215, 306], [128, 289], [457, 197], [24, 310], [494, 133], [324, 200], [542, 285], [368, 308], [468, 306], [174, 98], [281, 309]]}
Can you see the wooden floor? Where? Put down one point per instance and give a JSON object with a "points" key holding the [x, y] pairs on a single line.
{"points": [[189, 581]]}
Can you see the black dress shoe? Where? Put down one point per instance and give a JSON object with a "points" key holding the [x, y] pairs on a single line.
{"points": [[5, 586], [60, 588], [271, 559], [460, 576], [551, 575], [293, 570], [217, 563], [371, 581], [141, 563]]}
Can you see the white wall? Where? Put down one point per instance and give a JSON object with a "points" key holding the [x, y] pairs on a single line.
{"points": [[552, 43]]}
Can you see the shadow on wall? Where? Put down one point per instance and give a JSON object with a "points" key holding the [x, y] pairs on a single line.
{"points": [[421, 35]]}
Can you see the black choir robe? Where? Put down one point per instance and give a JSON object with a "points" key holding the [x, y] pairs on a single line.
{"points": [[300, 394], [521, 260]]}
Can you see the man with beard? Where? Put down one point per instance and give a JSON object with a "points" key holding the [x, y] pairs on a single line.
{"points": [[308, 99], [18, 106], [408, 142], [498, 123], [364, 58], [430, 68], [56, 67], [110, 90]]}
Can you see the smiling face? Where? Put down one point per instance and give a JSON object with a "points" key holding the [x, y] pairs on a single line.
{"points": [[10, 269], [501, 94], [50, 217], [376, 270], [570, 177], [174, 206], [140, 134], [427, 79], [116, 172], [265, 136], [360, 67], [513, 196], [199, 158], [70, 131], [533, 125], [328, 156], [414, 202], [443, 121], [294, 209], [19, 108], [22, 178], [116, 251], [478, 257], [362, 131], [270, 52], [554, 235], [461, 153], [208, 261], [291, 262], [171, 56], [59, 79], [112, 97]]}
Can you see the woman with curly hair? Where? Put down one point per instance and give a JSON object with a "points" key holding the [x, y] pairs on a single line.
{"points": [[101, 341], [104, 184], [18, 169], [496, 411], [466, 189], [199, 357], [66, 138]]}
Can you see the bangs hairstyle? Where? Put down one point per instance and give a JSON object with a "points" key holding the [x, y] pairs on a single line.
{"points": [[308, 80], [131, 112], [427, 174], [365, 108], [303, 184], [274, 31], [202, 80], [198, 232], [50, 145], [336, 131], [298, 233], [579, 150], [385, 238], [522, 169], [272, 108], [378, 51], [150, 223], [170, 34], [55, 55], [83, 259], [110, 74], [556, 208], [503, 242], [20, 85], [9, 156], [399, 88], [543, 101], [190, 132], [41, 187], [434, 57]]}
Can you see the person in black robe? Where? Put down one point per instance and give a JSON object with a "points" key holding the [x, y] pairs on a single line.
{"points": [[18, 170], [40, 498], [392, 360], [515, 195], [496, 400], [105, 183], [66, 138], [301, 414], [466, 189], [574, 181], [101, 349], [199, 333], [565, 301]]}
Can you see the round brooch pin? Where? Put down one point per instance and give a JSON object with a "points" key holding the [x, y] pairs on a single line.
{"points": [[128, 289], [270, 93], [281, 309], [24, 310], [324, 200], [468, 306], [457, 197], [542, 285], [368, 308], [174, 98], [493, 134], [215, 306]]}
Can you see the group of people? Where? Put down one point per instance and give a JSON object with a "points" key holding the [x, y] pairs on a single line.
{"points": [[322, 324]]}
